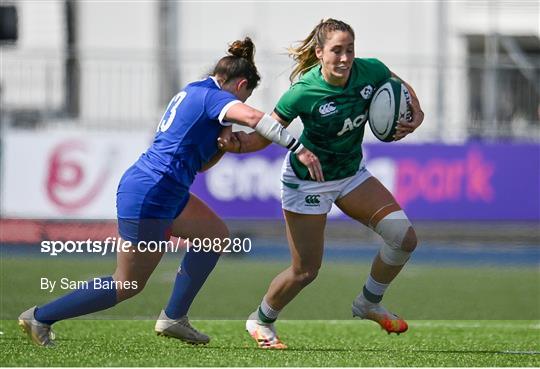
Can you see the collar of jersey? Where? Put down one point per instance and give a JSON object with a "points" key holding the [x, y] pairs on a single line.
{"points": [[215, 81]]}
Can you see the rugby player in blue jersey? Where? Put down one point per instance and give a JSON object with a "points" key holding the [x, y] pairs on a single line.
{"points": [[153, 199]]}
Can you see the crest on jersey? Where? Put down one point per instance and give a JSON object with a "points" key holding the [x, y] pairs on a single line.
{"points": [[367, 92]]}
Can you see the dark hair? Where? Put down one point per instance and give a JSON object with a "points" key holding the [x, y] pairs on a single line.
{"points": [[239, 63], [304, 54]]}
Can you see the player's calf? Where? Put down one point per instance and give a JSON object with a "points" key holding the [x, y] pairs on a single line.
{"points": [[303, 277], [400, 241]]}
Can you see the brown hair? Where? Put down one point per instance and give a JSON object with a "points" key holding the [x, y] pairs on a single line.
{"points": [[239, 63], [304, 54]]}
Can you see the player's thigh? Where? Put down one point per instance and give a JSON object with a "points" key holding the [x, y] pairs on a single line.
{"points": [[305, 233], [369, 202], [197, 220]]}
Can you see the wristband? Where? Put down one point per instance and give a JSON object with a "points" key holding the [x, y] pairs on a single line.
{"points": [[299, 148]]}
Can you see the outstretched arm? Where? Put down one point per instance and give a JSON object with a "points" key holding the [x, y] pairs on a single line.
{"points": [[404, 127], [272, 130], [242, 142]]}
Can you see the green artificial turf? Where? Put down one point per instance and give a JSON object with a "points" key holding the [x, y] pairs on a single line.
{"points": [[341, 343], [459, 316]]}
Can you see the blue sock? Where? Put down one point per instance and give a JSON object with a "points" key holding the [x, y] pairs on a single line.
{"points": [[79, 302], [193, 272]]}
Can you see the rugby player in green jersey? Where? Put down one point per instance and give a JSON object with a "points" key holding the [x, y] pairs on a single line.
{"points": [[332, 97]]}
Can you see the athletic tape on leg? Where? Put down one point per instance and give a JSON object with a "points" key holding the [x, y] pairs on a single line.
{"points": [[393, 228]]}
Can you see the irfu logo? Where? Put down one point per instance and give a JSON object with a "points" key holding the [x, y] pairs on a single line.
{"points": [[312, 200], [367, 92]]}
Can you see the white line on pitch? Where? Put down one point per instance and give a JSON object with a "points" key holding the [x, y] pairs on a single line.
{"points": [[439, 323], [521, 352]]}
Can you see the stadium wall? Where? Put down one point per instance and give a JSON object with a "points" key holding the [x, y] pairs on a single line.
{"points": [[119, 49]]}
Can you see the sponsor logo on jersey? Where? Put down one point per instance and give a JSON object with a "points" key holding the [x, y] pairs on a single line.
{"points": [[367, 92], [350, 125], [328, 109], [312, 200]]}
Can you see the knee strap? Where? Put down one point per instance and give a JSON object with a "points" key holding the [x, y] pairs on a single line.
{"points": [[393, 228]]}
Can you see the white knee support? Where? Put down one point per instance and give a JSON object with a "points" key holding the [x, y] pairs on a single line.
{"points": [[393, 229]]}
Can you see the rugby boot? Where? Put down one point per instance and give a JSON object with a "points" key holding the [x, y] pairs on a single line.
{"points": [[40, 333], [180, 329], [388, 321], [263, 333]]}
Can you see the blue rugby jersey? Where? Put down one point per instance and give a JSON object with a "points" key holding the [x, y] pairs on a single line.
{"points": [[186, 137]]}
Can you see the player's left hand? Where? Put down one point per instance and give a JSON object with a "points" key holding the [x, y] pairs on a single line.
{"points": [[404, 126], [311, 161]]}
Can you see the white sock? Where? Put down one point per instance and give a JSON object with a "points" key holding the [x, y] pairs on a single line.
{"points": [[268, 311], [374, 287]]}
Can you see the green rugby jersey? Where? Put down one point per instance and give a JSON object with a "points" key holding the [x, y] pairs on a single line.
{"points": [[334, 117]]}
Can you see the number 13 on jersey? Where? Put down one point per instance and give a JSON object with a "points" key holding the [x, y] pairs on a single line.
{"points": [[170, 113]]}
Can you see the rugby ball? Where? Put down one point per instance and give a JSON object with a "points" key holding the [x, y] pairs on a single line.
{"points": [[389, 105]]}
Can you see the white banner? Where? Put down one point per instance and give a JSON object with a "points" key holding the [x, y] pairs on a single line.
{"points": [[57, 174]]}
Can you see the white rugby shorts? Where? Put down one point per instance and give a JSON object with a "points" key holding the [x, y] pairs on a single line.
{"points": [[311, 197]]}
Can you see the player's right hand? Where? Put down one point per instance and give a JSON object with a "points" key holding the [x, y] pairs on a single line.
{"points": [[404, 126], [311, 161]]}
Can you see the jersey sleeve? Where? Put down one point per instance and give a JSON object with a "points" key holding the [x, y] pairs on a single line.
{"points": [[378, 70], [217, 103], [288, 106]]}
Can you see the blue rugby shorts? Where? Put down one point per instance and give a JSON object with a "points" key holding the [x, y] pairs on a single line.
{"points": [[146, 208]]}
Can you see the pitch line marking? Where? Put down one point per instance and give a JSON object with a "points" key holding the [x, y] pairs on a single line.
{"points": [[442, 323], [521, 352]]}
